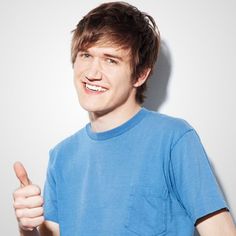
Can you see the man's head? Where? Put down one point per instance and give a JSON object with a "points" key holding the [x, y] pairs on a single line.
{"points": [[122, 25]]}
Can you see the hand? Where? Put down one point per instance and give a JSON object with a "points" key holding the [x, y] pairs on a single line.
{"points": [[28, 202]]}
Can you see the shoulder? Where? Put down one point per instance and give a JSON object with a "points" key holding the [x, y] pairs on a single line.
{"points": [[66, 146], [167, 125]]}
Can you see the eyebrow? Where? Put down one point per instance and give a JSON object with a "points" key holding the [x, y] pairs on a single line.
{"points": [[113, 56], [105, 54]]}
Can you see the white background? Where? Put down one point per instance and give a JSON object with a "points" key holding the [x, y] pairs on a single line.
{"points": [[39, 105]]}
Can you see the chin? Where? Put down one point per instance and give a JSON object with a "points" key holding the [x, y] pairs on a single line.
{"points": [[99, 111], [90, 107]]}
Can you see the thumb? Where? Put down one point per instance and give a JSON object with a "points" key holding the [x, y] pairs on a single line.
{"points": [[21, 173]]}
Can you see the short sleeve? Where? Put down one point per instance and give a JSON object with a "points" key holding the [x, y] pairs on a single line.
{"points": [[193, 181], [50, 194]]}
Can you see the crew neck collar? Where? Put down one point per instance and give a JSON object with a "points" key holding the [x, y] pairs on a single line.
{"points": [[119, 129]]}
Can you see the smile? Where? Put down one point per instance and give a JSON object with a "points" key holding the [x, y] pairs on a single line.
{"points": [[95, 88]]}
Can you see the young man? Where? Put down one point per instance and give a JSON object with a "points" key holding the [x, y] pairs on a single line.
{"points": [[130, 171]]}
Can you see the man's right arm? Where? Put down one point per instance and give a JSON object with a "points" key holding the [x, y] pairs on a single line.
{"points": [[47, 228], [28, 205]]}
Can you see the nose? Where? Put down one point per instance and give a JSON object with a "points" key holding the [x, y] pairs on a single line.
{"points": [[94, 71]]}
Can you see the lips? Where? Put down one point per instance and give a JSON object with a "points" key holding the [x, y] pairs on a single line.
{"points": [[93, 88]]}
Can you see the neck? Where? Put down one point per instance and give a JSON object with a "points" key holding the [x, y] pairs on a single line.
{"points": [[110, 120]]}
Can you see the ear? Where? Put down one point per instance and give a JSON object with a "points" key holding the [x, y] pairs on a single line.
{"points": [[142, 78]]}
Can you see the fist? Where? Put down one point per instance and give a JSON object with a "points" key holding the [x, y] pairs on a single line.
{"points": [[28, 203]]}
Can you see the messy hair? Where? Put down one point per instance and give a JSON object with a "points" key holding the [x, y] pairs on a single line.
{"points": [[123, 25]]}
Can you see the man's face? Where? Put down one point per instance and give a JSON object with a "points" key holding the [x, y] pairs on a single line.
{"points": [[102, 77]]}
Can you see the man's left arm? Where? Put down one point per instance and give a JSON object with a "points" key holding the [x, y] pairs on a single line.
{"points": [[219, 223]]}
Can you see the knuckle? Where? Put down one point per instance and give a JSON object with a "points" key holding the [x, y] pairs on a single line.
{"points": [[36, 189], [41, 200], [14, 205], [16, 194], [41, 219], [41, 211], [31, 222], [35, 222], [19, 213], [35, 202], [24, 222], [17, 204]]}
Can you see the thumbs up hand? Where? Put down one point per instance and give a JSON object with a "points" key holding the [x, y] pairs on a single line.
{"points": [[28, 202]]}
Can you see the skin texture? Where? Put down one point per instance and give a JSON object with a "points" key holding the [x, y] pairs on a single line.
{"points": [[216, 224], [28, 205], [109, 68]]}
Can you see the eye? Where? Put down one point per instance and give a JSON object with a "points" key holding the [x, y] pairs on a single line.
{"points": [[84, 55], [111, 61]]}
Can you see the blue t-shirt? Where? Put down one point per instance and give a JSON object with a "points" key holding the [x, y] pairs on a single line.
{"points": [[149, 177]]}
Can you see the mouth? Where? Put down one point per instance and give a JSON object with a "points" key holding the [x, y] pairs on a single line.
{"points": [[94, 88]]}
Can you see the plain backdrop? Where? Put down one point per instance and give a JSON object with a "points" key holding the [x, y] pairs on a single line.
{"points": [[194, 79]]}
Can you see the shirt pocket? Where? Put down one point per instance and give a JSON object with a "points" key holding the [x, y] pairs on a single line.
{"points": [[146, 214]]}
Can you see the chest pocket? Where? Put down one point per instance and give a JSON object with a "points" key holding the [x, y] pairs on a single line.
{"points": [[146, 214]]}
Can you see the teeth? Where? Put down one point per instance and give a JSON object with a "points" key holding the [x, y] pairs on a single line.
{"points": [[95, 88]]}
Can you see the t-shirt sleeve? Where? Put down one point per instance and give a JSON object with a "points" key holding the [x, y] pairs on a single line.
{"points": [[50, 194], [192, 178]]}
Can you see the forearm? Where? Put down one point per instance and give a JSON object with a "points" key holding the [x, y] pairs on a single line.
{"points": [[219, 232], [45, 229], [34, 232], [217, 225]]}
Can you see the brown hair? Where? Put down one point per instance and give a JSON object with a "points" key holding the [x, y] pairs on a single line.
{"points": [[120, 24]]}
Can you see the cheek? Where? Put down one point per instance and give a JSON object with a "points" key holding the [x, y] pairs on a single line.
{"points": [[79, 68], [78, 76], [77, 81]]}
